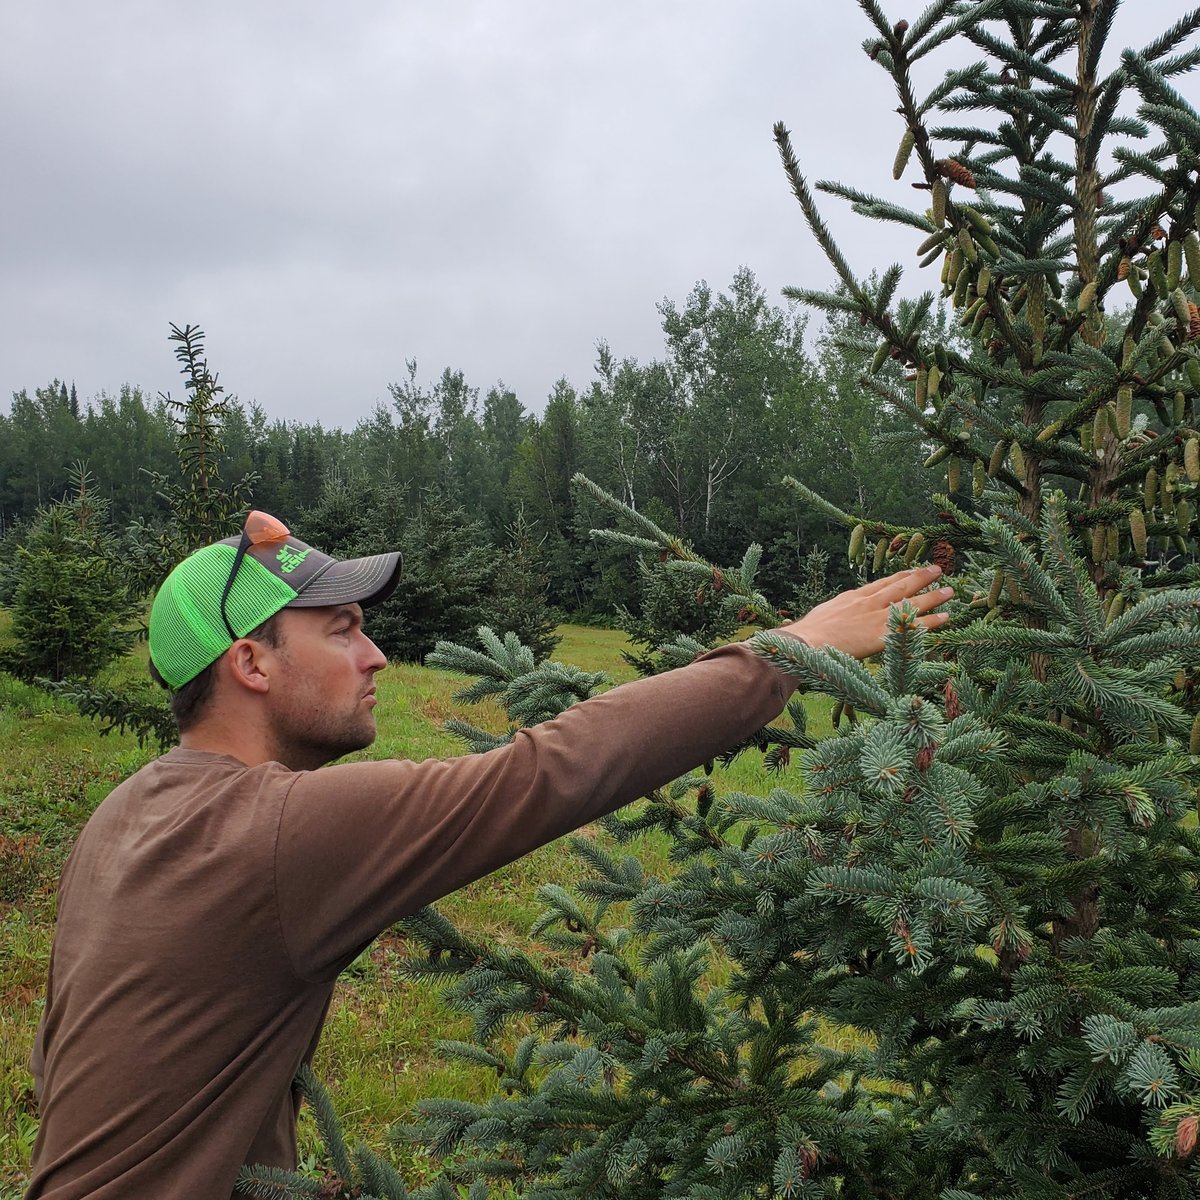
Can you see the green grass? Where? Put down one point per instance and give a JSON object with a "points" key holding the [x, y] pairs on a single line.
{"points": [[377, 1053]]}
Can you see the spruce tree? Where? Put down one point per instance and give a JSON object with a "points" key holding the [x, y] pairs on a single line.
{"points": [[201, 508], [518, 604], [956, 953], [72, 611]]}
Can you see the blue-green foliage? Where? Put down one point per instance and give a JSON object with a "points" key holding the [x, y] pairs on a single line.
{"points": [[916, 888]]}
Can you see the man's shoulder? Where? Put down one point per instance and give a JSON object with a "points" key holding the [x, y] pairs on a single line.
{"points": [[182, 767], [186, 784]]}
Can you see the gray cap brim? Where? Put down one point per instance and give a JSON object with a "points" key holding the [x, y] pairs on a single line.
{"points": [[364, 581]]}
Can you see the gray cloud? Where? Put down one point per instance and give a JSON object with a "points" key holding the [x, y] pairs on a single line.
{"points": [[331, 189]]}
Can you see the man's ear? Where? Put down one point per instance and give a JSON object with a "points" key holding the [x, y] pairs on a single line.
{"points": [[248, 665]]}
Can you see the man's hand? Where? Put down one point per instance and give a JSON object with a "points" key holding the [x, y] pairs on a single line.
{"points": [[855, 621]]}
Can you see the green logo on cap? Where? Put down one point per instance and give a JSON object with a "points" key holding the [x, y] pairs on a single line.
{"points": [[290, 559]]}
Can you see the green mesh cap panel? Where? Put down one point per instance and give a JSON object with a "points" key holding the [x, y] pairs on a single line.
{"points": [[186, 630]]}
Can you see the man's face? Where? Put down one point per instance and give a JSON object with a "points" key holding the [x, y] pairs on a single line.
{"points": [[322, 692]]}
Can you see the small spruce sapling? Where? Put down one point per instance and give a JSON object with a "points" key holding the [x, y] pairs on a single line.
{"points": [[71, 606], [200, 509]]}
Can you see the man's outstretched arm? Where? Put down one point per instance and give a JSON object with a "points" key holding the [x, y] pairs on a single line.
{"points": [[363, 844]]}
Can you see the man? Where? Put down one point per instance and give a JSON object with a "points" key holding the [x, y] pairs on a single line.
{"points": [[213, 898]]}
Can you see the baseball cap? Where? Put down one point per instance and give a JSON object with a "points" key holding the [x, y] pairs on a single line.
{"points": [[223, 591]]}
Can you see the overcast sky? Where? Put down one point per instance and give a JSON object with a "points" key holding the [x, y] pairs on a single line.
{"points": [[330, 189]]}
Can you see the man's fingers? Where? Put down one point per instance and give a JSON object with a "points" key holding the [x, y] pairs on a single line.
{"points": [[903, 583], [927, 600], [855, 621]]}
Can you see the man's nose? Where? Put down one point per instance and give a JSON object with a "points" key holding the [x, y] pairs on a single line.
{"points": [[376, 660]]}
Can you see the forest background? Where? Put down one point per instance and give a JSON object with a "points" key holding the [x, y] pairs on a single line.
{"points": [[698, 440]]}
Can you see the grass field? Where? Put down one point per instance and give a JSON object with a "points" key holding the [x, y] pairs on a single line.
{"points": [[377, 1053]]}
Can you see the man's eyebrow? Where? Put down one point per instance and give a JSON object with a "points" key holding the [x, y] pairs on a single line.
{"points": [[343, 612]]}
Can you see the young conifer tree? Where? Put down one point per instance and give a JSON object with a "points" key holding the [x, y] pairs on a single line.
{"points": [[71, 605], [200, 508], [956, 954]]}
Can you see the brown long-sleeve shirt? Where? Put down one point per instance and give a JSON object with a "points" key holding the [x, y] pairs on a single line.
{"points": [[208, 907]]}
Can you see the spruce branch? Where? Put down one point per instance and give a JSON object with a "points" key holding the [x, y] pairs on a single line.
{"points": [[1068, 571], [1170, 38], [327, 1122], [825, 670], [359, 1173], [877, 528], [654, 535], [735, 586], [276, 1183], [966, 17], [820, 231], [1020, 61], [826, 301], [876, 207], [1020, 562], [530, 692]]}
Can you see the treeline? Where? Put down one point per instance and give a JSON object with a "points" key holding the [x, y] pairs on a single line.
{"points": [[697, 439]]}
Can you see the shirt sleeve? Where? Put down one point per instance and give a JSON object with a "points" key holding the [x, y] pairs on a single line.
{"points": [[362, 844]]}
